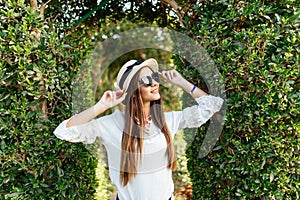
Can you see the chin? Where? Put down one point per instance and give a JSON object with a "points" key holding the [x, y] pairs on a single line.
{"points": [[157, 97], [152, 99]]}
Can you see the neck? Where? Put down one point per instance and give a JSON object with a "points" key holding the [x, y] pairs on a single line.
{"points": [[147, 108]]}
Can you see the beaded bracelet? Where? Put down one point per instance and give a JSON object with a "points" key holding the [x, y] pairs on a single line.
{"points": [[193, 89]]}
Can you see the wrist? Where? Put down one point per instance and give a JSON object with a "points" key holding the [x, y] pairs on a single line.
{"points": [[193, 89], [100, 107], [186, 85]]}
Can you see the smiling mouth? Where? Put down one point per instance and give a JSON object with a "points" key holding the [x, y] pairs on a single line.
{"points": [[155, 90]]}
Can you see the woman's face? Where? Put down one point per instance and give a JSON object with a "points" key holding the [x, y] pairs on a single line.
{"points": [[148, 93]]}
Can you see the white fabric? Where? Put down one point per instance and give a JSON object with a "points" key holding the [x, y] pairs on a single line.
{"points": [[153, 180]]}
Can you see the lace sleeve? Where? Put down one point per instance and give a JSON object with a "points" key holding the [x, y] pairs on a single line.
{"points": [[85, 133], [197, 115]]}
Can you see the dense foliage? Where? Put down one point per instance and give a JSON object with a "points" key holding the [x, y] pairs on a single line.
{"points": [[255, 45], [40, 63], [35, 91]]}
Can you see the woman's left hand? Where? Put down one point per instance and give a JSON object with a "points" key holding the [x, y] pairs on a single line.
{"points": [[172, 76]]}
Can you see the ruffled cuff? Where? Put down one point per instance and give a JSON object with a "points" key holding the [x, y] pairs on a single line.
{"points": [[81, 133], [215, 103], [197, 115]]}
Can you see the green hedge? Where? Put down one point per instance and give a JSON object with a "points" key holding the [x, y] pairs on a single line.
{"points": [[255, 46], [36, 69]]}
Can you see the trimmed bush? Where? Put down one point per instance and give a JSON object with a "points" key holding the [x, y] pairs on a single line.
{"points": [[36, 69], [255, 46]]}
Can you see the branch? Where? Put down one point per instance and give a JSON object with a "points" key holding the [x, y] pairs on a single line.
{"points": [[103, 3], [175, 8], [43, 103], [33, 4], [35, 36], [172, 3], [42, 8]]}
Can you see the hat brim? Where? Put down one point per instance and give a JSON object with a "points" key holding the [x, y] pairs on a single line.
{"points": [[151, 63]]}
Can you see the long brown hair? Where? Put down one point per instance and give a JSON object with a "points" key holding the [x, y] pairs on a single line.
{"points": [[133, 138]]}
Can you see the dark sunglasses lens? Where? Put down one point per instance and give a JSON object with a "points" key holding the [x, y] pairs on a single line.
{"points": [[155, 76], [146, 81]]}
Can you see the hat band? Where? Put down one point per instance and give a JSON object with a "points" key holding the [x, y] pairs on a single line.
{"points": [[127, 72]]}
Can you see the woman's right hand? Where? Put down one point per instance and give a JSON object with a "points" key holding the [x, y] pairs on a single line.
{"points": [[112, 98], [108, 100]]}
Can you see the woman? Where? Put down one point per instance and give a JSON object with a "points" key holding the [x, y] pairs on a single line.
{"points": [[138, 141]]}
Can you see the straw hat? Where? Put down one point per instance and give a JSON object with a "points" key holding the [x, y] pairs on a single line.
{"points": [[130, 68]]}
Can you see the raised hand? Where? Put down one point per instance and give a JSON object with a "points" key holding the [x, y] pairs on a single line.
{"points": [[172, 76], [112, 98], [108, 100]]}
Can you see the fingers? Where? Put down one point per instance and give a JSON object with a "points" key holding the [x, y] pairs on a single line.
{"points": [[169, 75], [121, 98], [119, 93], [118, 96], [113, 98], [108, 95], [164, 75]]}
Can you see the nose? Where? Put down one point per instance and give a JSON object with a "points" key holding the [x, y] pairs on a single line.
{"points": [[154, 82]]}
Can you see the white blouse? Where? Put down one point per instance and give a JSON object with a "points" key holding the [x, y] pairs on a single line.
{"points": [[153, 180]]}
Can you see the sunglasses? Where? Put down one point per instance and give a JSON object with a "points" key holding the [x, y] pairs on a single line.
{"points": [[148, 80]]}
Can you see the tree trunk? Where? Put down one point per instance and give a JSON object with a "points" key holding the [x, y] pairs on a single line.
{"points": [[35, 36]]}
